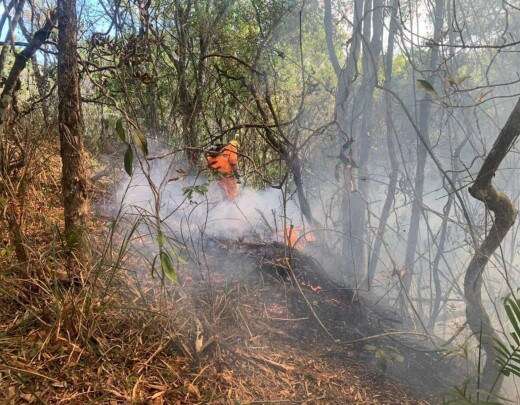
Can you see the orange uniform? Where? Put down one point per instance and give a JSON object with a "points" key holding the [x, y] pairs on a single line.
{"points": [[225, 163]]}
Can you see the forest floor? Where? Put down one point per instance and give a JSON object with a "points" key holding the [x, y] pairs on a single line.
{"points": [[121, 336]]}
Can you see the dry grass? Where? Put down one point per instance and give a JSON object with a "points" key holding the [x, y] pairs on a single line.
{"points": [[123, 337]]}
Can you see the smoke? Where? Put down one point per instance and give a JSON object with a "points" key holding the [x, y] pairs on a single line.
{"points": [[195, 206]]}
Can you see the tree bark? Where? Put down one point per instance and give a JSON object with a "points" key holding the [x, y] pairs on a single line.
{"points": [[392, 185], [74, 171], [422, 154], [504, 217], [353, 249]]}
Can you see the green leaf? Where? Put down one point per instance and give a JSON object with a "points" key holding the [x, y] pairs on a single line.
{"points": [[426, 86], [140, 142], [513, 369], [167, 266], [129, 160], [501, 348], [189, 191], [120, 131], [161, 240], [456, 80], [512, 312], [515, 306]]}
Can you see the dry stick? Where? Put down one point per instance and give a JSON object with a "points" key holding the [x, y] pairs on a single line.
{"points": [[291, 272], [381, 335], [287, 401]]}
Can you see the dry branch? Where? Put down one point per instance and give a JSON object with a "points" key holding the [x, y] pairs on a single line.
{"points": [[20, 62]]}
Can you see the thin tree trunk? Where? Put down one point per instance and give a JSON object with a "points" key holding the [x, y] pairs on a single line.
{"points": [[42, 86], [422, 154], [350, 202], [74, 171], [392, 185], [371, 60], [436, 307], [504, 217]]}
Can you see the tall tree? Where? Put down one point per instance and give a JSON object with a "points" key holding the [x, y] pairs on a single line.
{"points": [[422, 154], [394, 166], [70, 120]]}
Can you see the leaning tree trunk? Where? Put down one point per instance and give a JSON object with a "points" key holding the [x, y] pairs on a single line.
{"points": [[74, 171], [505, 216]]}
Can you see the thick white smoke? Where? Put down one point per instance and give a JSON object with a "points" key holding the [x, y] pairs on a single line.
{"points": [[192, 206]]}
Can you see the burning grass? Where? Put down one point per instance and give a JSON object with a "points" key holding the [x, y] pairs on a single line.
{"points": [[123, 336]]}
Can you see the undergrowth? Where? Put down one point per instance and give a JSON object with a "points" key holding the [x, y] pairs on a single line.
{"points": [[115, 334]]}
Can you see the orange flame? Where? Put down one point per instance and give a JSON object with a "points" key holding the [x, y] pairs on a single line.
{"points": [[295, 237]]}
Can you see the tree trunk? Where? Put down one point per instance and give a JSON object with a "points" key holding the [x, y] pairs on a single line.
{"points": [[436, 306], [42, 85], [392, 185], [74, 171], [504, 217], [422, 154]]}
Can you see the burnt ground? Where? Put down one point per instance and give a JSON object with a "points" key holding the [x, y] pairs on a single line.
{"points": [[241, 327], [293, 313]]}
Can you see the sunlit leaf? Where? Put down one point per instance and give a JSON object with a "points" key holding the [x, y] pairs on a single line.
{"points": [[161, 240], [461, 79], [426, 86], [120, 131], [140, 142], [129, 160], [167, 266], [457, 80]]}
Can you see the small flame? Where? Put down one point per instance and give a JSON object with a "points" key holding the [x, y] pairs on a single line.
{"points": [[296, 237]]}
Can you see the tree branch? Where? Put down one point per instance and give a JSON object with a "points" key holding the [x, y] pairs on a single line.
{"points": [[329, 33], [20, 62]]}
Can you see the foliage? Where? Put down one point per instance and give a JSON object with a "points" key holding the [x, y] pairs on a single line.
{"points": [[509, 351], [191, 191]]}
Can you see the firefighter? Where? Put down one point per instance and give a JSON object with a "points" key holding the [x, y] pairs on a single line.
{"points": [[223, 160]]}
